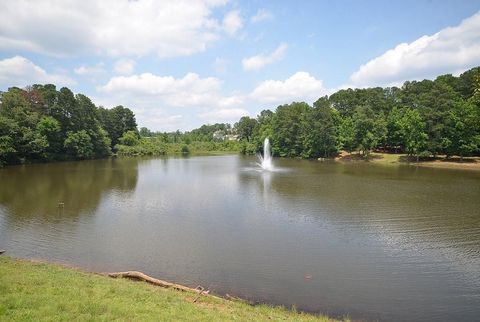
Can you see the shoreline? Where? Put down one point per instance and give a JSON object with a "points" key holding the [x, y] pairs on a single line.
{"points": [[69, 292], [395, 159]]}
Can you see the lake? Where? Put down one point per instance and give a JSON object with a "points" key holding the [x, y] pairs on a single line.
{"points": [[371, 241]]}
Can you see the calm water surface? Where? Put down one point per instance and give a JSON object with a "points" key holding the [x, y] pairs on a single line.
{"points": [[374, 242]]}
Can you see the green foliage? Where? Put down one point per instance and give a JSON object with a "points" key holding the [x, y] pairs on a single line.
{"points": [[116, 121], [347, 134], [288, 127], [144, 132], [79, 145], [157, 146], [39, 123], [320, 132], [463, 130], [412, 131], [370, 129], [244, 127], [129, 138]]}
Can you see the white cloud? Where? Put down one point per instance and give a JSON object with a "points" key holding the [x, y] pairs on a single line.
{"points": [[301, 86], [224, 115], [259, 61], [21, 72], [167, 28], [262, 15], [191, 90], [169, 103], [447, 51], [232, 22], [161, 122], [92, 71], [124, 66]]}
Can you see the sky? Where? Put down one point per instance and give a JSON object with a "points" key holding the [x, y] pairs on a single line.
{"points": [[180, 64]]}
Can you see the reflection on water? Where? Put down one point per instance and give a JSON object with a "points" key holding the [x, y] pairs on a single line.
{"points": [[375, 242]]}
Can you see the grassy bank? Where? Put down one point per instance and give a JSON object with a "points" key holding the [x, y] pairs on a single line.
{"points": [[470, 163], [32, 291]]}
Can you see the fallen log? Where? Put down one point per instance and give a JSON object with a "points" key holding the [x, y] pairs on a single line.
{"points": [[144, 277]]}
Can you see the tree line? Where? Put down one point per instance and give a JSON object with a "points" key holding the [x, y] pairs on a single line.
{"points": [[421, 118], [41, 123]]}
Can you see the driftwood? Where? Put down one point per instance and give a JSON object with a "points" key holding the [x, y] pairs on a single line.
{"points": [[143, 277]]}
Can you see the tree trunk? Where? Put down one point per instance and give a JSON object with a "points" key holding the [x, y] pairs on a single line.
{"points": [[143, 277]]}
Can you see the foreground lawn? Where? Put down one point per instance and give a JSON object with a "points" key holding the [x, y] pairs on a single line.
{"points": [[31, 291]]}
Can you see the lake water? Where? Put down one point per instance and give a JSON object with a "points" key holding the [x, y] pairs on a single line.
{"points": [[373, 242]]}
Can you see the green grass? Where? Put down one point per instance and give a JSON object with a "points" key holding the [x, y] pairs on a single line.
{"points": [[31, 291]]}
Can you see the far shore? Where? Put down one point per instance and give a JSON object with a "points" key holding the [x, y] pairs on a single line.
{"points": [[468, 163]]}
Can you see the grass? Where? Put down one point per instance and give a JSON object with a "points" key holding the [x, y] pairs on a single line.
{"points": [[33, 291], [468, 163]]}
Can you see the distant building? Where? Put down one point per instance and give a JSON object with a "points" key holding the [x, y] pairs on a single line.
{"points": [[218, 135], [231, 137]]}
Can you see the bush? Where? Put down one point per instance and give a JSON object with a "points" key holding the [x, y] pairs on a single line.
{"points": [[185, 149]]}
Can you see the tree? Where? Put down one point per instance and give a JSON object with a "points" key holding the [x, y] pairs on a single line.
{"points": [[370, 129], [347, 134], [462, 131], [79, 145], [262, 129], [395, 137], [244, 127], [9, 130], [412, 129], [50, 128], [144, 132], [320, 132], [116, 122], [129, 138], [289, 129]]}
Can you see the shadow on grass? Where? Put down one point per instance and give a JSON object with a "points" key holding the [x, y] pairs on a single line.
{"points": [[443, 159], [357, 157]]}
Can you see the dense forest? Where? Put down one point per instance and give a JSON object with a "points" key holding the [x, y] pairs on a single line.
{"points": [[421, 118], [41, 123]]}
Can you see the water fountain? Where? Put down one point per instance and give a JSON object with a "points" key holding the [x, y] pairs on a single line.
{"points": [[266, 159]]}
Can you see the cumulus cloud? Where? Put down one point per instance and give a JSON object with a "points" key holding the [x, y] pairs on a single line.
{"points": [[262, 15], [191, 90], [160, 121], [90, 71], [224, 115], [232, 22], [167, 28], [259, 61], [165, 102], [448, 51], [21, 72], [301, 86], [124, 66]]}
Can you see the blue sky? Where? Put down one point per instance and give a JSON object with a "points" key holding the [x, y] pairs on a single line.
{"points": [[178, 65]]}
